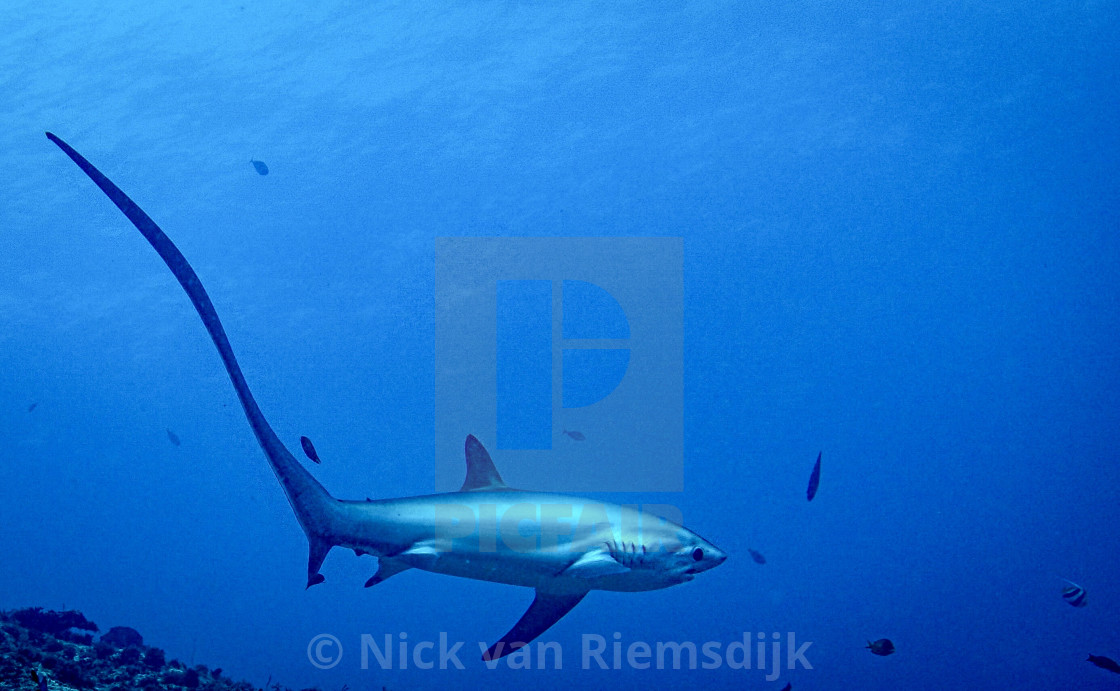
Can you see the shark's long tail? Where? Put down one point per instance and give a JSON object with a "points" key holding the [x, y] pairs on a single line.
{"points": [[313, 506]]}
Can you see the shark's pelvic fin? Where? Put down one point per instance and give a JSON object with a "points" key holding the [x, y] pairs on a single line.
{"points": [[422, 555], [546, 610], [595, 563], [386, 567], [481, 473]]}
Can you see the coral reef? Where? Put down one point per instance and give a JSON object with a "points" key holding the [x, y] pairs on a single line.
{"points": [[122, 637], [52, 622], [59, 646]]}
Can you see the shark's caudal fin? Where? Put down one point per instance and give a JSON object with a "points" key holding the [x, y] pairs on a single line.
{"points": [[313, 506]]}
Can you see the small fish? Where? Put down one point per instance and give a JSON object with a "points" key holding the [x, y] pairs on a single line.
{"points": [[578, 436], [758, 558], [33, 406], [173, 437], [1075, 594], [309, 449], [1104, 663], [40, 680], [814, 479], [787, 687], [883, 646], [260, 166]]}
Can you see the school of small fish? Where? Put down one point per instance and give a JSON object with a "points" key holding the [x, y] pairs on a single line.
{"points": [[1072, 593]]}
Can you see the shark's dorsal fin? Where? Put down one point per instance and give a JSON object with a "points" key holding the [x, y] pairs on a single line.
{"points": [[546, 610], [481, 473]]}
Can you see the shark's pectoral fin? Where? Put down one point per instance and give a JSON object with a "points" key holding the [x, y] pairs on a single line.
{"points": [[546, 610], [316, 553], [386, 567], [595, 563]]}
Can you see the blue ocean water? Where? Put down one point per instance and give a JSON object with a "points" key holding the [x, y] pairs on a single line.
{"points": [[900, 249]]}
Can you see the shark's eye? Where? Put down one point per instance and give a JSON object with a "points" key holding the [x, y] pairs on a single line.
{"points": [[698, 554]]}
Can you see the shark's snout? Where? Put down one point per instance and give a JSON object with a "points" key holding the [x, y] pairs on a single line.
{"points": [[717, 557], [706, 558]]}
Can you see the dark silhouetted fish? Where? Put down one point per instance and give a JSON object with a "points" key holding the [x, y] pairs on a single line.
{"points": [[260, 166], [578, 436], [814, 479], [758, 558], [1074, 594], [1105, 663], [40, 680], [173, 437], [33, 406], [787, 687], [883, 646], [309, 449]]}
